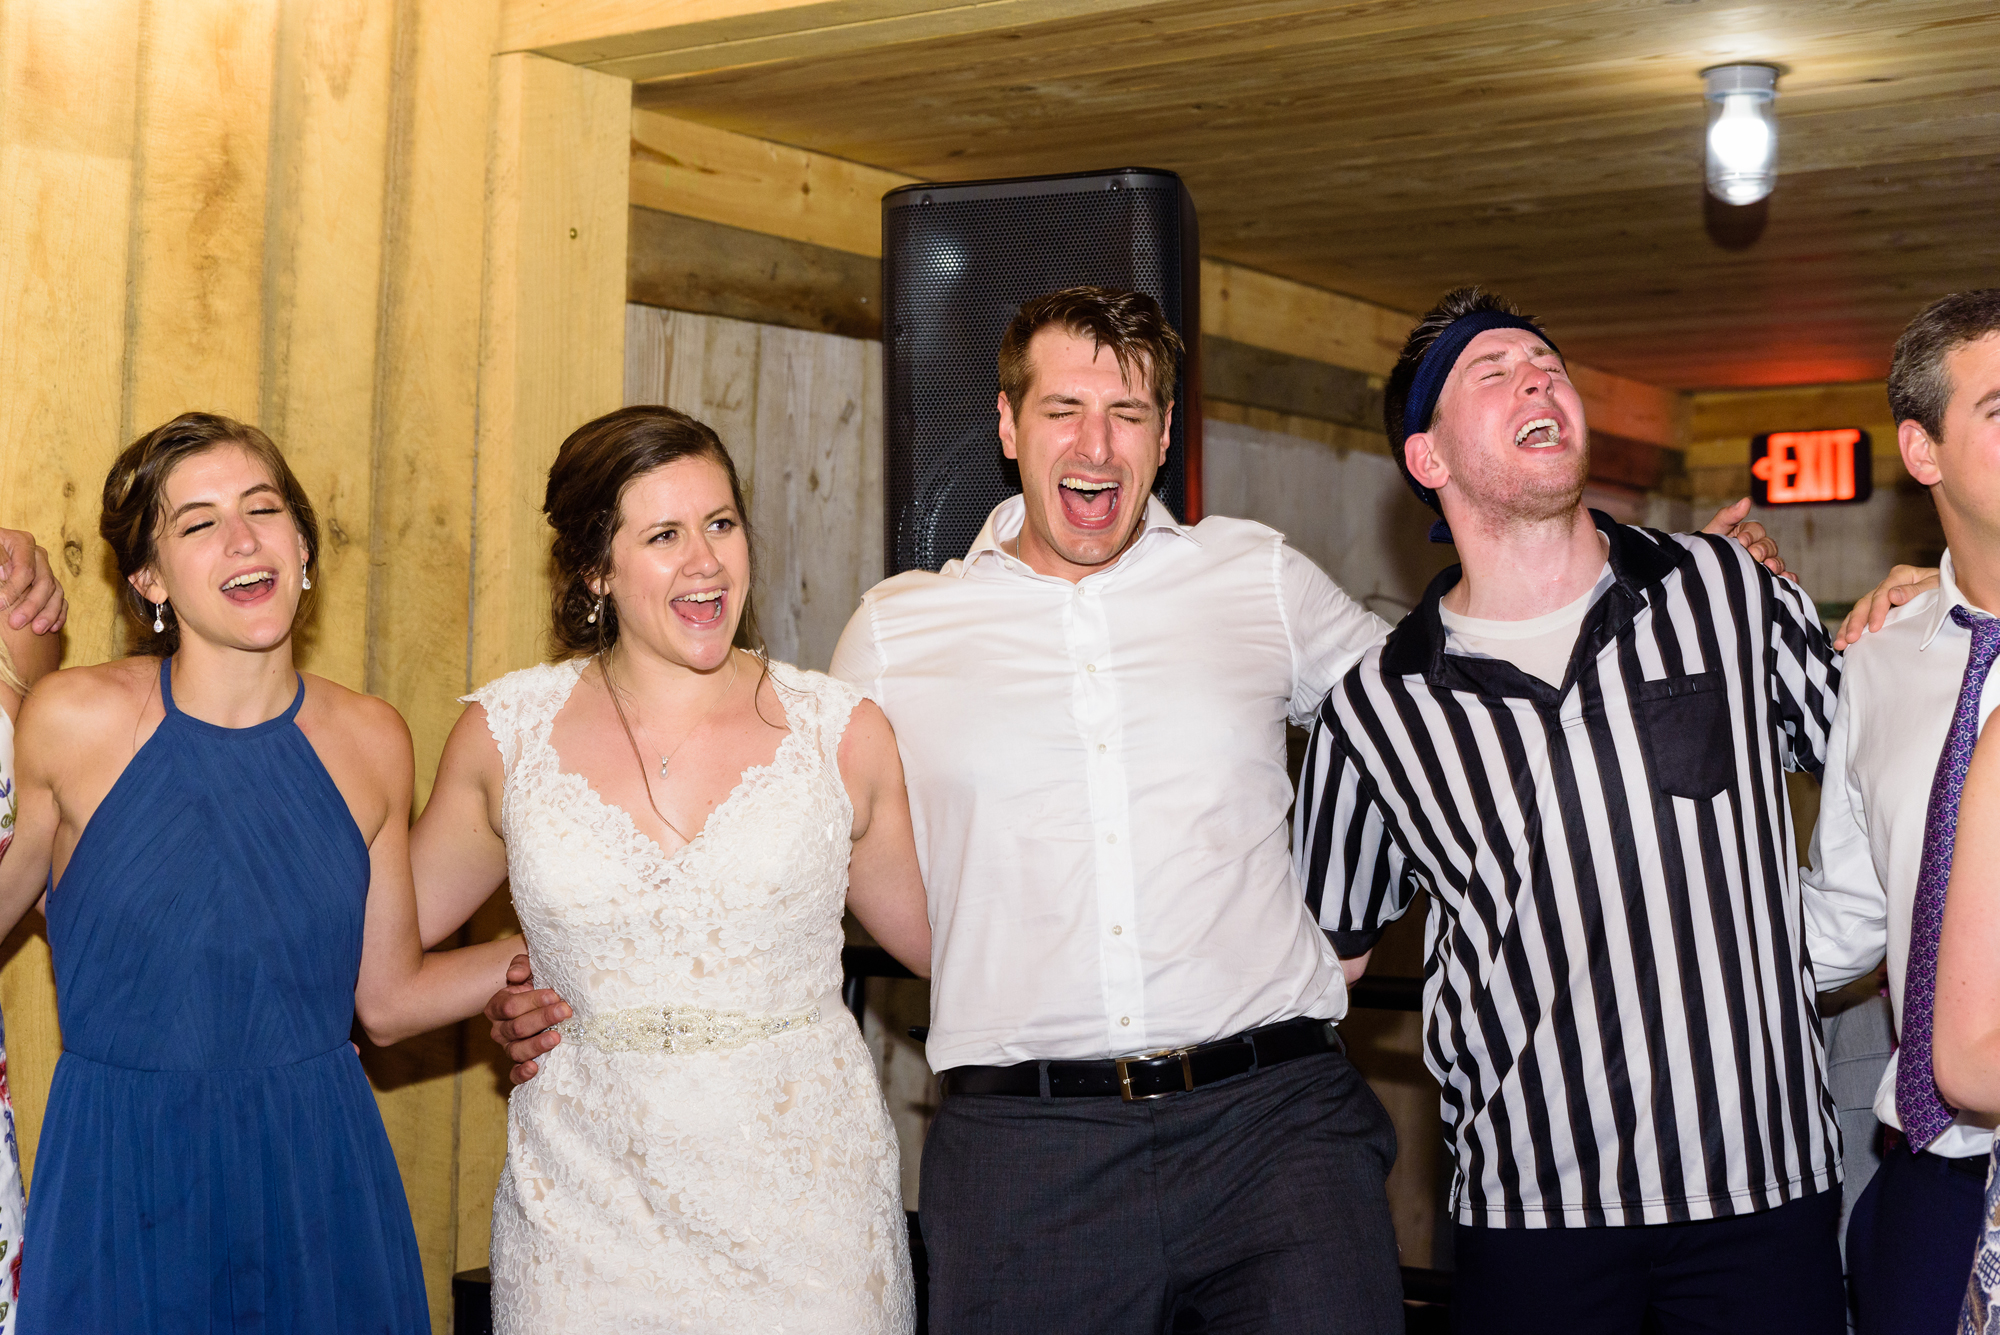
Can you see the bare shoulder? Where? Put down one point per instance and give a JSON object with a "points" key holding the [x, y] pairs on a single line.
{"points": [[88, 702], [352, 709], [868, 740], [364, 727], [471, 746]]}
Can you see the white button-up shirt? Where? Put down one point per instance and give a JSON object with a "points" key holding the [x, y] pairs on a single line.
{"points": [[1097, 779], [1898, 691]]}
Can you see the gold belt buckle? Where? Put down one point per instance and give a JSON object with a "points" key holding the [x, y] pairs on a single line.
{"points": [[1125, 1074]]}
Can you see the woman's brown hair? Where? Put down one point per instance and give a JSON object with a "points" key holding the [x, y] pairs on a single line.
{"points": [[584, 505], [135, 503]]}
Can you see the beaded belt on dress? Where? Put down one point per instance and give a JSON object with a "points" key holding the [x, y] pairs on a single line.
{"points": [[681, 1029]]}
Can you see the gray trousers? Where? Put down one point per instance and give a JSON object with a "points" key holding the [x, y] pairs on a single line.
{"points": [[1253, 1204]]}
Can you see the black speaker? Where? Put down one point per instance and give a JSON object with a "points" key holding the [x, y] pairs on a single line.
{"points": [[957, 262]]}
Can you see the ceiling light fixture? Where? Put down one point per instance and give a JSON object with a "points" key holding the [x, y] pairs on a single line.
{"points": [[1742, 131]]}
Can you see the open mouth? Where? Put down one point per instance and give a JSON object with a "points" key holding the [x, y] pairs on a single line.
{"points": [[251, 586], [1543, 433], [702, 609], [1088, 503]]}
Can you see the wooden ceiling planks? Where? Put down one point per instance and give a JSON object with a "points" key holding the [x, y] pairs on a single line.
{"points": [[1552, 150]]}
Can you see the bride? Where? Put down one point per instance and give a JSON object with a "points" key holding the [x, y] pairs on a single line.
{"points": [[680, 821]]}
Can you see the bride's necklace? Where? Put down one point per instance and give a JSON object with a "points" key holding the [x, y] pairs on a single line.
{"points": [[734, 663]]}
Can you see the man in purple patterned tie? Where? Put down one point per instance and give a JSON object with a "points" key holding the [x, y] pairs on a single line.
{"points": [[1910, 708]]}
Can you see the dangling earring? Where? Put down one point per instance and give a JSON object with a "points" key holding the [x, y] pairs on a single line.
{"points": [[591, 620], [159, 624], [305, 582]]}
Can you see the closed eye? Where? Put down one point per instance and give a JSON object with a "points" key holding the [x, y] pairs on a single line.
{"points": [[197, 527]]}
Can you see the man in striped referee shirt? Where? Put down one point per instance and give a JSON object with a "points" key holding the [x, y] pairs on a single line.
{"points": [[1576, 745]]}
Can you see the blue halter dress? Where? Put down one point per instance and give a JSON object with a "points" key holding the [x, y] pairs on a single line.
{"points": [[212, 1159]]}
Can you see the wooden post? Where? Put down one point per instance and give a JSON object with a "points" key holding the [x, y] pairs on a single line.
{"points": [[552, 355]]}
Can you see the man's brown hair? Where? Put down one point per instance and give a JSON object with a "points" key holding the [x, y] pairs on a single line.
{"points": [[1919, 385], [1131, 324]]}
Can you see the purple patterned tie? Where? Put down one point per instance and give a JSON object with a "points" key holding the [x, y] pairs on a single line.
{"points": [[1924, 1113]]}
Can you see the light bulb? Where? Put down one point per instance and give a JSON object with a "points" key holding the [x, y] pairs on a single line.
{"points": [[1742, 132]]}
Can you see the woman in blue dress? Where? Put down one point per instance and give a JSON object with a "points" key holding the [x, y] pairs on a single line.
{"points": [[229, 846]]}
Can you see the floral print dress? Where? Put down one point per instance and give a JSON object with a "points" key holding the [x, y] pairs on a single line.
{"points": [[13, 1200], [1981, 1314]]}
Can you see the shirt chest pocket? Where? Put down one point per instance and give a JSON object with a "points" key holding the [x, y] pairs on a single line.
{"points": [[1684, 723]]}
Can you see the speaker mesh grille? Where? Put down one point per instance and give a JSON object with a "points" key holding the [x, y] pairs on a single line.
{"points": [[954, 272]]}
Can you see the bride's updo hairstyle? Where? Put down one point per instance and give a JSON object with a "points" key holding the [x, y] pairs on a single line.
{"points": [[135, 505], [584, 503]]}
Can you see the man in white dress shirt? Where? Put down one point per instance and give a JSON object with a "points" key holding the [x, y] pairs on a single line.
{"points": [[1910, 1241], [1091, 708]]}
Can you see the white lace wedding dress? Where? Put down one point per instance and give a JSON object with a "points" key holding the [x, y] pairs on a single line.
{"points": [[746, 1182]]}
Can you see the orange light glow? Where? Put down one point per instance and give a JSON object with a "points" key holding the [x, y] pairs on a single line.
{"points": [[1796, 467]]}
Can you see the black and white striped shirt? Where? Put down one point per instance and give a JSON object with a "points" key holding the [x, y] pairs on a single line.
{"points": [[1618, 1002]]}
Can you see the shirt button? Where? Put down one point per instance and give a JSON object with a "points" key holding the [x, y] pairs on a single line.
{"points": [[1110, 838], [1117, 931], [1090, 667], [1100, 746], [1124, 1019]]}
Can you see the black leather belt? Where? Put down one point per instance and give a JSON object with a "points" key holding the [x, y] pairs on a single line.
{"points": [[1155, 1075]]}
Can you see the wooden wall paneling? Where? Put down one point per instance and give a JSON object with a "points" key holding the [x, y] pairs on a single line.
{"points": [[68, 80], [194, 321], [323, 284], [551, 357], [427, 370], [811, 490], [647, 348], [712, 375], [871, 568], [801, 415], [419, 540]]}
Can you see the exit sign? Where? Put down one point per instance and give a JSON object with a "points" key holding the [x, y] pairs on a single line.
{"points": [[1811, 467]]}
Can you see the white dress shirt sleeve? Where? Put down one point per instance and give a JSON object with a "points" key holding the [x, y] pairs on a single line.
{"points": [[857, 659], [1329, 631], [1846, 905]]}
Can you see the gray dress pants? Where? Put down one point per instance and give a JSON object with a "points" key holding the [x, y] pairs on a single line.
{"points": [[1253, 1204]]}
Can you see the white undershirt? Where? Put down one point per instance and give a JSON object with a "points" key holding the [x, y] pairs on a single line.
{"points": [[1540, 646]]}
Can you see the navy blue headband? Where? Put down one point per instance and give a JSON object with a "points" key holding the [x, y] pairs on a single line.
{"points": [[1433, 370]]}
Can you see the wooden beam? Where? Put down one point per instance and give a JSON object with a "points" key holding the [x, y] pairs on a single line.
{"points": [[656, 39], [705, 268], [733, 179], [1742, 413], [551, 357], [1233, 372], [1630, 408], [553, 342], [719, 176]]}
